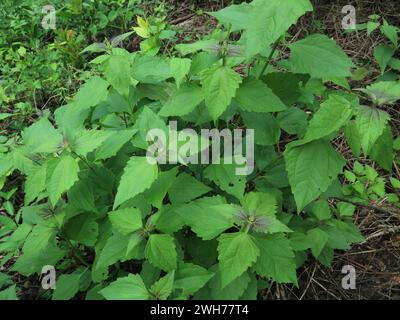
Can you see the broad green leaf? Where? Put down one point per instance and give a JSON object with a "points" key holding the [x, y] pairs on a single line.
{"points": [[276, 260], [63, 178], [268, 20], [318, 239], [114, 142], [126, 288], [161, 251], [231, 291], [261, 203], [321, 210], [67, 287], [311, 169], [236, 253], [187, 48], [390, 32], [35, 182], [9, 294], [179, 69], [126, 220], [320, 57], [254, 95], [224, 176], [183, 101], [266, 128], [383, 54], [43, 132], [91, 93], [384, 92], [219, 85], [293, 121], [138, 176], [162, 289], [208, 217], [117, 72], [149, 69], [157, 192], [235, 16], [332, 115], [186, 188], [83, 229], [190, 278], [370, 124], [89, 140], [382, 150]]}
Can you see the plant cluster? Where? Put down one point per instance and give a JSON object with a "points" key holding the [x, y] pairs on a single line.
{"points": [[118, 227]]}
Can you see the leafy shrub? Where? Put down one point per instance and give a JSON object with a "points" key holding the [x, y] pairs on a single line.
{"points": [[117, 227]]}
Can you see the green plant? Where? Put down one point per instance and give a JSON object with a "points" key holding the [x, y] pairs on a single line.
{"points": [[119, 227]]}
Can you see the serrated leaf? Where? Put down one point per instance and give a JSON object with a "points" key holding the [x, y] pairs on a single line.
{"points": [[219, 85], [67, 287], [186, 188], [89, 140], [183, 101], [318, 239], [162, 289], [384, 92], [254, 95], [113, 143], [320, 57], [236, 253], [161, 251], [117, 73], [126, 288], [63, 178], [276, 260], [311, 169], [383, 54], [268, 20], [179, 69], [190, 278], [91, 93], [370, 123], [126, 220], [139, 170]]}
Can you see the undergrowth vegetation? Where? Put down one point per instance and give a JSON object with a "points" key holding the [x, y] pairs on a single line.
{"points": [[115, 226]]}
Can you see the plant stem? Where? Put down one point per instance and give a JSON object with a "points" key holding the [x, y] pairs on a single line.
{"points": [[268, 61]]}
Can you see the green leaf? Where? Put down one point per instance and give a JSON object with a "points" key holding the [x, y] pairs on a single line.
{"points": [[383, 54], [346, 209], [208, 217], [255, 95], [320, 57], [186, 188], [117, 73], [126, 288], [35, 182], [384, 92], [187, 48], [370, 123], [318, 239], [311, 169], [190, 278], [114, 142], [9, 294], [268, 20], [43, 131], [237, 252], [219, 85], [276, 260], [157, 192], [261, 203], [224, 176], [321, 210], [162, 289], [89, 140], [183, 101], [67, 287], [293, 121], [234, 16], [91, 93], [390, 32], [179, 69], [382, 150], [63, 178], [266, 128], [161, 251], [332, 115], [126, 220], [149, 69], [82, 228], [139, 170]]}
